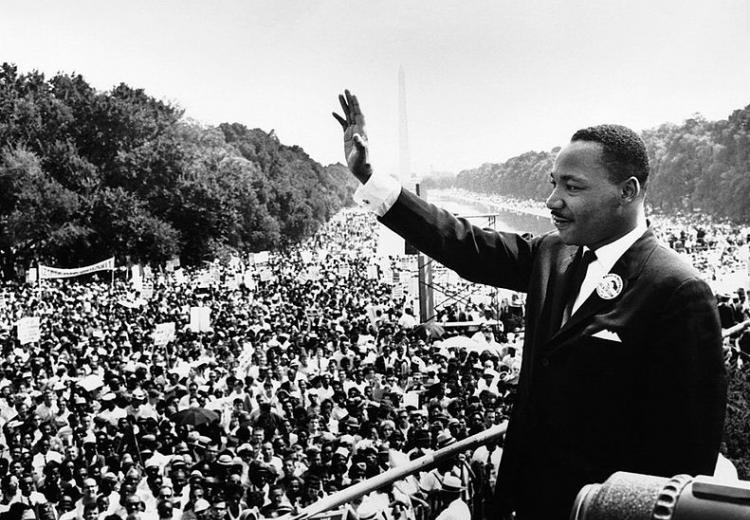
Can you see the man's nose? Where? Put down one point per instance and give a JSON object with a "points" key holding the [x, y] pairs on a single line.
{"points": [[554, 201]]}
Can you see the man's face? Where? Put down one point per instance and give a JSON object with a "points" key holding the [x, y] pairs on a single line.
{"points": [[89, 487], [66, 503], [132, 504], [26, 484], [276, 496], [267, 450], [586, 205]]}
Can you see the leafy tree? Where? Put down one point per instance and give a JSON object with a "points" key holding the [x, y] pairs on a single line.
{"points": [[698, 165], [38, 216]]}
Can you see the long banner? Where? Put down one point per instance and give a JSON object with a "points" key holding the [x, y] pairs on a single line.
{"points": [[46, 273]]}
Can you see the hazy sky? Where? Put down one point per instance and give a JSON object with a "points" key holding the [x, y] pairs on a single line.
{"points": [[485, 80]]}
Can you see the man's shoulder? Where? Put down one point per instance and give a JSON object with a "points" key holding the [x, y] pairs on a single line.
{"points": [[550, 246], [671, 270]]}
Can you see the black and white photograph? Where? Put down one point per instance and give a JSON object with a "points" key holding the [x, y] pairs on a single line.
{"points": [[374, 260]]}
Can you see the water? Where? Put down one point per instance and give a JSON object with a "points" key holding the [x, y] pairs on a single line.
{"points": [[390, 244], [505, 220]]}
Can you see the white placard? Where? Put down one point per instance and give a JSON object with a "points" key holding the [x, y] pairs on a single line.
{"points": [[164, 333], [248, 280], [410, 399], [313, 273], [147, 290], [173, 263], [28, 330], [200, 319], [232, 283]]}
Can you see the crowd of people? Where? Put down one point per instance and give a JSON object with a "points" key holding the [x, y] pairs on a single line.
{"points": [[311, 374]]}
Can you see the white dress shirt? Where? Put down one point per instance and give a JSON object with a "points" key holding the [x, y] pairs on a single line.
{"points": [[606, 257]]}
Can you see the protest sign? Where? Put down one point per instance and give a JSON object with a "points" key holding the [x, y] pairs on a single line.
{"points": [[231, 282], [260, 257], [28, 330], [410, 399], [147, 290], [204, 280], [46, 272], [164, 333], [173, 263], [248, 281], [200, 319]]}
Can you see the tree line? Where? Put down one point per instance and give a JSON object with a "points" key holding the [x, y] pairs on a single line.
{"points": [[86, 174], [696, 166]]}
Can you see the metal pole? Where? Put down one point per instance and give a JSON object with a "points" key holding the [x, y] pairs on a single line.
{"points": [[426, 296], [347, 495], [424, 272]]}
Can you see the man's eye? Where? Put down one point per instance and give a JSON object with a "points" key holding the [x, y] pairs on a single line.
{"points": [[573, 188]]}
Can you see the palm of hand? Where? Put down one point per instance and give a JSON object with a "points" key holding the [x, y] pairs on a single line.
{"points": [[354, 158], [355, 137]]}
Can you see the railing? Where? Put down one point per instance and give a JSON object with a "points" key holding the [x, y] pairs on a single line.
{"points": [[394, 474], [737, 328]]}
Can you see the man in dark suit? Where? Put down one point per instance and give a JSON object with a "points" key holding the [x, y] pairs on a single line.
{"points": [[622, 364]]}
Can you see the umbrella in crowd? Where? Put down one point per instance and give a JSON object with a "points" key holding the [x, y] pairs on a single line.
{"points": [[195, 416]]}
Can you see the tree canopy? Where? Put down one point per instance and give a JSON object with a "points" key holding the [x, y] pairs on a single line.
{"points": [[698, 165], [87, 174]]}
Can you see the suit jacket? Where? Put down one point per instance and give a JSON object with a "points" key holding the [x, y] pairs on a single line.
{"points": [[652, 402]]}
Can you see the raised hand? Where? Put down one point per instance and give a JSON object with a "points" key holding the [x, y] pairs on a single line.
{"points": [[355, 137]]}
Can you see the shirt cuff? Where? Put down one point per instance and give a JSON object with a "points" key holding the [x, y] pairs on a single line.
{"points": [[378, 194]]}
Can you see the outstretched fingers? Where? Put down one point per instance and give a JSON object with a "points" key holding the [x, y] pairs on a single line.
{"points": [[355, 113], [345, 105], [341, 120]]}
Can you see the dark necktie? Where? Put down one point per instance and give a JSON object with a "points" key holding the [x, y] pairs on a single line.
{"points": [[574, 287]]}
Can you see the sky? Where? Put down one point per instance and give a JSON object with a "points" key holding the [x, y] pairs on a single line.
{"points": [[485, 80]]}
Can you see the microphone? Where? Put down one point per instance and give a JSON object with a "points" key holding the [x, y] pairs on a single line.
{"points": [[630, 496]]}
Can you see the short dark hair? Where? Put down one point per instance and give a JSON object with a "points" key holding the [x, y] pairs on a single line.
{"points": [[624, 152]]}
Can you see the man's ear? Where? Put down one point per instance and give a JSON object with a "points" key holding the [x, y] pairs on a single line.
{"points": [[630, 188]]}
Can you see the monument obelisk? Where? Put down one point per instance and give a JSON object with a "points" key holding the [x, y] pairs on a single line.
{"points": [[404, 160]]}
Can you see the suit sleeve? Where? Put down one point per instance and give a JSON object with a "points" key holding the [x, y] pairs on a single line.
{"points": [[684, 402], [479, 255]]}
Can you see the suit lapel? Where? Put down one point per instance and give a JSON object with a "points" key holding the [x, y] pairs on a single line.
{"points": [[627, 267], [555, 299]]}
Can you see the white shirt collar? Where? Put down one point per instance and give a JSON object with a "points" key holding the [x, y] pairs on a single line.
{"points": [[608, 254]]}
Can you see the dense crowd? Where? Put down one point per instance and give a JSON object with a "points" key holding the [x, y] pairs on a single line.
{"points": [[312, 374]]}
